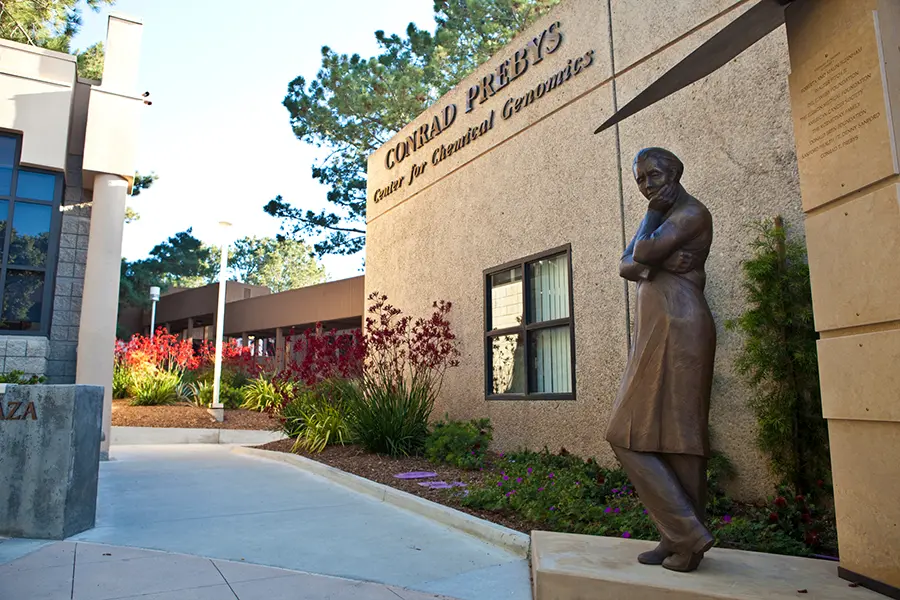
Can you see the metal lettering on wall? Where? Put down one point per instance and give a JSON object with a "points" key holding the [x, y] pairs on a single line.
{"points": [[534, 52], [18, 411]]}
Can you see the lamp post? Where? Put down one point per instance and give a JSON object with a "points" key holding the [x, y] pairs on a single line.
{"points": [[217, 409], [154, 298]]}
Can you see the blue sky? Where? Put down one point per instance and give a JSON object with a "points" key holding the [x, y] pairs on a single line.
{"points": [[217, 134]]}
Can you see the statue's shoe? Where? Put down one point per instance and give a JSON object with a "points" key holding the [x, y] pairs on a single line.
{"points": [[689, 561], [654, 557], [683, 563]]}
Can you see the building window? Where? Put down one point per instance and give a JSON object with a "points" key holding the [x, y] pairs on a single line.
{"points": [[29, 234], [529, 334]]}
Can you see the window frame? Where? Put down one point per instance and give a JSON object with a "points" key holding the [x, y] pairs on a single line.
{"points": [[525, 328], [50, 266]]}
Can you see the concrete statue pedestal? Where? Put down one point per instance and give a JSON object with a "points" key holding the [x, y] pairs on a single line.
{"points": [[585, 567], [50, 436]]}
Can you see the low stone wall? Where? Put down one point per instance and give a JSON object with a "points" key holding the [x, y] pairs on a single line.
{"points": [[50, 459]]}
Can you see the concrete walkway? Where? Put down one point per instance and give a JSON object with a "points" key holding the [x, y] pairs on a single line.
{"points": [[208, 502], [81, 571]]}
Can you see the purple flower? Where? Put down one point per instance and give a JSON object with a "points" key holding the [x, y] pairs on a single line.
{"points": [[617, 510], [645, 511], [501, 455], [540, 489], [552, 508], [472, 452], [577, 483], [506, 478], [500, 483], [529, 470], [726, 519], [608, 509], [550, 476], [510, 493], [518, 480], [615, 490], [626, 534]]}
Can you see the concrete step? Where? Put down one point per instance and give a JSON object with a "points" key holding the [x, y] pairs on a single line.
{"points": [[583, 567], [124, 436]]}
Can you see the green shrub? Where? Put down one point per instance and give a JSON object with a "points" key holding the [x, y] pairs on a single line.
{"points": [[459, 443], [564, 493], [561, 492], [230, 397], [156, 388], [18, 378], [261, 395], [316, 416], [123, 382], [292, 417], [201, 393], [719, 470], [323, 424], [391, 420], [756, 535], [779, 360]]}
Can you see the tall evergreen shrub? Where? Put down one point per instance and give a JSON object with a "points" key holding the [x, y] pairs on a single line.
{"points": [[779, 360]]}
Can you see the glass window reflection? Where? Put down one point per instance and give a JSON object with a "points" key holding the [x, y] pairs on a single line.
{"points": [[4, 218], [36, 186], [30, 235], [22, 301], [506, 298], [551, 360], [548, 288], [7, 159], [508, 364]]}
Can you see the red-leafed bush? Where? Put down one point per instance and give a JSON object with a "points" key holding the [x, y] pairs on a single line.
{"points": [[327, 355]]}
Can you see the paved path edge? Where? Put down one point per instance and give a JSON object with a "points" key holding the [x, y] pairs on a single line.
{"points": [[143, 436], [498, 535]]}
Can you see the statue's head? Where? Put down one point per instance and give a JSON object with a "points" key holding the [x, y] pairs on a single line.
{"points": [[657, 171]]}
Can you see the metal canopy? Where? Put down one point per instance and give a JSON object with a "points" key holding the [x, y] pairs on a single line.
{"points": [[737, 36]]}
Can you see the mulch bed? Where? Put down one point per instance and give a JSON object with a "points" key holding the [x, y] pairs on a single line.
{"points": [[187, 416], [382, 469]]}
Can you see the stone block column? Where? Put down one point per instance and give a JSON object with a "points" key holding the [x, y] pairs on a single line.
{"points": [[97, 337], [845, 97]]}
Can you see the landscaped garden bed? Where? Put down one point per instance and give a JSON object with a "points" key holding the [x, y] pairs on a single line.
{"points": [[363, 402], [528, 491], [187, 416]]}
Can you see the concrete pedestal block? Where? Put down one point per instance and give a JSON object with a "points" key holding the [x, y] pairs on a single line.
{"points": [[584, 567], [50, 437]]}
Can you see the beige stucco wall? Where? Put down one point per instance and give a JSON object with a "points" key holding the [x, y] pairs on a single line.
{"points": [[541, 179], [114, 111], [36, 88]]}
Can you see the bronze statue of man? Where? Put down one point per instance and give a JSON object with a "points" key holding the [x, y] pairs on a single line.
{"points": [[659, 425]]}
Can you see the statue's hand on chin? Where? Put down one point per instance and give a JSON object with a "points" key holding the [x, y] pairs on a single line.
{"points": [[663, 199]]}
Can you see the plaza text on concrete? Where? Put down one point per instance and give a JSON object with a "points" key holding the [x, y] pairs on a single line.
{"points": [[50, 459], [517, 213]]}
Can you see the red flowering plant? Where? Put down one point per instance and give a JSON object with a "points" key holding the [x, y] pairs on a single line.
{"points": [[404, 370], [235, 358], [327, 355], [803, 518], [164, 351]]}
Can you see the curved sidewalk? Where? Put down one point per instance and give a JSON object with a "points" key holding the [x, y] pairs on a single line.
{"points": [[207, 501], [82, 571]]}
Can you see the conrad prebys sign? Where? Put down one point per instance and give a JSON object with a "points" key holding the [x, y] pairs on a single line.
{"points": [[530, 56]]}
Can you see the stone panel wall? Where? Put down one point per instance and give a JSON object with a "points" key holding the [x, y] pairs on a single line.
{"points": [[66, 317]]}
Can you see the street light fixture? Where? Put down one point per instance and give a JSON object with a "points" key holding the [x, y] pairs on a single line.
{"points": [[217, 409], [154, 298]]}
